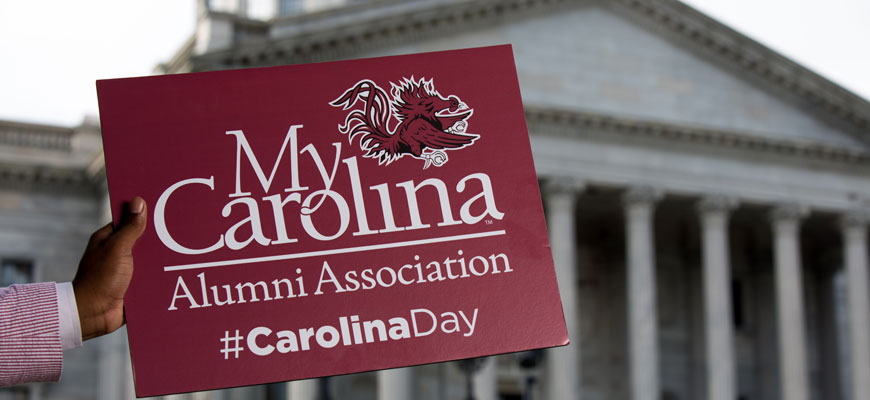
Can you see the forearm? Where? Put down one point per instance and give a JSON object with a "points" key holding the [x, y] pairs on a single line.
{"points": [[30, 342]]}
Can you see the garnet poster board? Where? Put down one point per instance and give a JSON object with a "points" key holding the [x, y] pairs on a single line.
{"points": [[331, 218]]}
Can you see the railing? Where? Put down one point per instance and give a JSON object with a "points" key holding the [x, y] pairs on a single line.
{"points": [[21, 136]]}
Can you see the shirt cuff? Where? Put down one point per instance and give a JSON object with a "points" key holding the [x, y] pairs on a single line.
{"points": [[70, 326]]}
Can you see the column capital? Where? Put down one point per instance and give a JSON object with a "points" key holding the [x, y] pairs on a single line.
{"points": [[641, 195], [564, 185], [855, 219], [718, 203], [788, 212]]}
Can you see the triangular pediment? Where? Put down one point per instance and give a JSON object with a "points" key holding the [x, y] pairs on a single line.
{"points": [[592, 57]]}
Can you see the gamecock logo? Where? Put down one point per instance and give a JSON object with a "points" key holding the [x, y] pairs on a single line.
{"points": [[426, 123]]}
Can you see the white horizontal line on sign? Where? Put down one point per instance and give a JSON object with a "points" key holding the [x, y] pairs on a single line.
{"points": [[279, 257]]}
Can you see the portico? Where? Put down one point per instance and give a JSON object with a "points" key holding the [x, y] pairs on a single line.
{"points": [[712, 307]]}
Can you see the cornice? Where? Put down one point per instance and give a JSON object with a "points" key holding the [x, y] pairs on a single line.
{"points": [[726, 46], [180, 61], [570, 123], [542, 121], [50, 141], [51, 179], [324, 41]]}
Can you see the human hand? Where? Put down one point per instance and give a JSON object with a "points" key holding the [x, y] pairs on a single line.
{"points": [[105, 271]]}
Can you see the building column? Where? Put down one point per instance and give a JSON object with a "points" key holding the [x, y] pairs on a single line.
{"points": [[110, 364], [180, 396], [200, 396], [717, 298], [302, 390], [563, 363], [790, 302], [486, 380], [642, 317], [855, 254], [395, 384], [130, 386]]}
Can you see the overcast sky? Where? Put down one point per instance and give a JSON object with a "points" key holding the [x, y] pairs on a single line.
{"points": [[52, 51]]}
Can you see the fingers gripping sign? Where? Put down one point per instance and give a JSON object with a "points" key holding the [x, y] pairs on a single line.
{"points": [[105, 271]]}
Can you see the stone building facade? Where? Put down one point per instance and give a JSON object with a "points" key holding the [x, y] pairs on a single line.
{"points": [[707, 198], [52, 186]]}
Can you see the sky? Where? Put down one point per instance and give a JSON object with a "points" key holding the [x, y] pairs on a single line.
{"points": [[52, 51]]}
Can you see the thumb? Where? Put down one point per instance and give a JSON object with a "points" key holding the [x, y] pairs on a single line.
{"points": [[132, 223]]}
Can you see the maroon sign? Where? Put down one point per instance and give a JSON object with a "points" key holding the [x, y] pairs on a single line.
{"points": [[331, 218]]}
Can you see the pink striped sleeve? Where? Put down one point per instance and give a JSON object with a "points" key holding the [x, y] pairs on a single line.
{"points": [[30, 348]]}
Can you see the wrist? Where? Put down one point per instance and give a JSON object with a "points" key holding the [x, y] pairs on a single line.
{"points": [[91, 321]]}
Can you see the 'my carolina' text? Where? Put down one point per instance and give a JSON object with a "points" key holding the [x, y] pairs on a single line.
{"points": [[244, 211]]}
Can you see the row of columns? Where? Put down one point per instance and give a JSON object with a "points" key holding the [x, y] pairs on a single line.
{"points": [[639, 203]]}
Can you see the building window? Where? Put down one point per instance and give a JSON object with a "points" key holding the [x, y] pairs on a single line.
{"points": [[14, 271]]}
